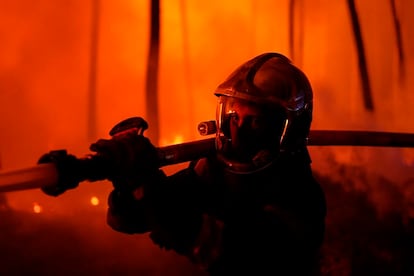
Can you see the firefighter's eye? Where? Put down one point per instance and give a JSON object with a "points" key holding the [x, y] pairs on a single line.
{"points": [[256, 122], [234, 118]]}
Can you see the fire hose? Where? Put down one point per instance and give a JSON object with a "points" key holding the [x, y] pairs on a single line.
{"points": [[93, 167]]}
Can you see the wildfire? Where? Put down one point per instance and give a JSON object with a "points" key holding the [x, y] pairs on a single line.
{"points": [[37, 208], [94, 201], [176, 140]]}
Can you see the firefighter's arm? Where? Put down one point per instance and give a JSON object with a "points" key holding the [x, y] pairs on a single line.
{"points": [[134, 164]]}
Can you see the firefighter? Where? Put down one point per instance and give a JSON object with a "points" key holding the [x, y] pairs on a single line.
{"points": [[253, 206]]}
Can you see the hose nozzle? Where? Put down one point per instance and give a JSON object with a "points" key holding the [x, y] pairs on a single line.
{"points": [[207, 127]]}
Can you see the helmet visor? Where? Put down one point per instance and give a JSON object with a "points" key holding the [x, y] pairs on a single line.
{"points": [[246, 129]]}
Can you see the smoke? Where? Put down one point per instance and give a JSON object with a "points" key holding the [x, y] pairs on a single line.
{"points": [[379, 173], [43, 81], [81, 244], [361, 238]]}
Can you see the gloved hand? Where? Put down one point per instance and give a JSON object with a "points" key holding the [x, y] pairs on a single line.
{"points": [[132, 159], [68, 168]]}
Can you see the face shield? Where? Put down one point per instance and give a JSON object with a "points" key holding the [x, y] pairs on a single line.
{"points": [[248, 134]]}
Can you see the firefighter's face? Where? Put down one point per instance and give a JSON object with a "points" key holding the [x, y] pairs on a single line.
{"points": [[249, 127]]}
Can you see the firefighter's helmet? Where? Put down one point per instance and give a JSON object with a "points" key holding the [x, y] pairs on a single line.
{"points": [[281, 94]]}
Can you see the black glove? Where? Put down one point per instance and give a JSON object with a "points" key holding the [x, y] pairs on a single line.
{"points": [[68, 168], [132, 159]]}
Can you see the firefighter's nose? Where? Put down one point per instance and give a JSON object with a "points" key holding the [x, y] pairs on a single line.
{"points": [[240, 123]]}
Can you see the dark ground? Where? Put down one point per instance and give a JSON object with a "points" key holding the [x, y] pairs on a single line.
{"points": [[359, 241]]}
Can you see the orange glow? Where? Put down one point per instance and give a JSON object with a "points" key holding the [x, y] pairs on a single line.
{"points": [[52, 103], [46, 95], [176, 140], [408, 157], [37, 208], [94, 201]]}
